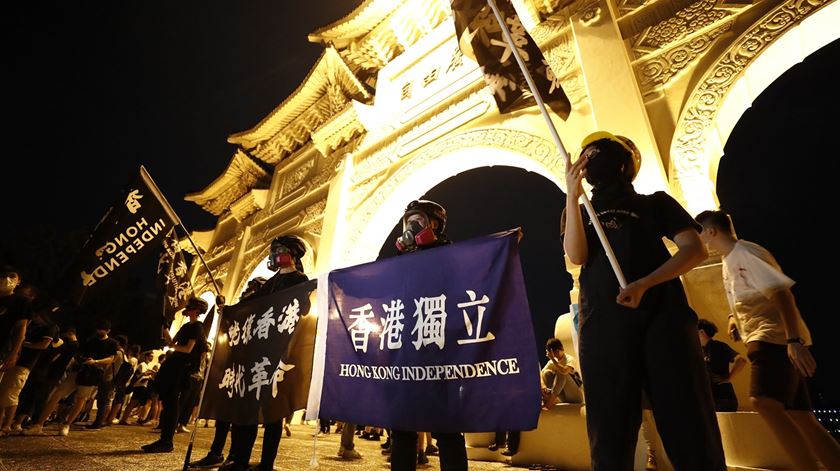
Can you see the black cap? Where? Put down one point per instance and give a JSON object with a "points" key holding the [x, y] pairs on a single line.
{"points": [[196, 303]]}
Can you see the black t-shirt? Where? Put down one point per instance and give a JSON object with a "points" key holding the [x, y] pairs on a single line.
{"points": [[718, 356], [13, 308], [634, 225], [36, 332], [98, 349], [278, 282], [187, 332], [66, 352]]}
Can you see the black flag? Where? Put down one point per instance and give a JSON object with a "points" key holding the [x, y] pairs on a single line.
{"points": [[477, 29], [173, 277], [133, 227]]}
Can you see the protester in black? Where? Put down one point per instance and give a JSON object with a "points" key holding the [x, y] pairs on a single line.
{"points": [[188, 346], [215, 456], [424, 226], [644, 336], [34, 356], [718, 356], [97, 354], [285, 259]]}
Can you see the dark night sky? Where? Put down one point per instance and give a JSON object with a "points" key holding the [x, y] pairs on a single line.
{"points": [[94, 89]]}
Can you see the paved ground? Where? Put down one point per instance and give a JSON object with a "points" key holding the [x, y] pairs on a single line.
{"points": [[117, 448]]}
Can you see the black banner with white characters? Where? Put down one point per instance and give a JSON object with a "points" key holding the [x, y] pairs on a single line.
{"points": [[134, 226], [480, 37], [173, 277], [263, 360]]}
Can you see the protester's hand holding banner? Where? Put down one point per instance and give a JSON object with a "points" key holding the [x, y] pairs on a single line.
{"points": [[262, 365], [439, 340]]}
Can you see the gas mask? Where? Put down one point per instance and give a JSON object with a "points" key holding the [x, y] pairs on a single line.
{"points": [[604, 166], [280, 258], [417, 232]]}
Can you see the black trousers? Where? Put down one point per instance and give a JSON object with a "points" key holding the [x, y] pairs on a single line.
{"points": [[622, 353], [509, 440], [170, 383], [453, 453], [219, 438], [189, 399], [169, 400], [103, 393], [243, 437]]}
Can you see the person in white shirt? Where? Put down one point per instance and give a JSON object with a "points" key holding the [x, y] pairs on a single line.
{"points": [[765, 316], [560, 380]]}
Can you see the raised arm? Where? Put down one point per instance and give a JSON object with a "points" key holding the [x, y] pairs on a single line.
{"points": [[574, 238]]}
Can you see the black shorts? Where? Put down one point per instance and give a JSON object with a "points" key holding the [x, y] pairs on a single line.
{"points": [[140, 394], [774, 376]]}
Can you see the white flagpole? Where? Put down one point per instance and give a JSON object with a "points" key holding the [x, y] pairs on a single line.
{"points": [[586, 203]]}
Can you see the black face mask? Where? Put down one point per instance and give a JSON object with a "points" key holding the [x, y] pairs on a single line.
{"points": [[603, 169]]}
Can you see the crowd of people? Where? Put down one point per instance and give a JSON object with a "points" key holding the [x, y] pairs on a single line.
{"points": [[640, 346], [49, 375]]}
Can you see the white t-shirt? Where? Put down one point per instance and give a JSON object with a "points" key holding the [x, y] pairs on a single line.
{"points": [[142, 381], [551, 369], [750, 276]]}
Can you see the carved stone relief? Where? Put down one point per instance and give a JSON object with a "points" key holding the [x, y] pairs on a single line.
{"points": [[664, 65], [690, 164]]}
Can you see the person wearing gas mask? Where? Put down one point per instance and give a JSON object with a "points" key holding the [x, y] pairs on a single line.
{"points": [[285, 260], [424, 226], [642, 337]]}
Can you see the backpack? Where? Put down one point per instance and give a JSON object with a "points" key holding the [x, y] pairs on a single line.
{"points": [[124, 374]]}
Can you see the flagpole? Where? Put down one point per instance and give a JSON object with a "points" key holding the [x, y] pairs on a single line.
{"points": [[596, 223], [171, 212], [174, 216]]}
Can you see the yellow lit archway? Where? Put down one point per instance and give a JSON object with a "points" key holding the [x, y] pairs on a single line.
{"points": [[373, 219], [779, 40]]}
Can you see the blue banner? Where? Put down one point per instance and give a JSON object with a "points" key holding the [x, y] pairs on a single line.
{"points": [[439, 340]]}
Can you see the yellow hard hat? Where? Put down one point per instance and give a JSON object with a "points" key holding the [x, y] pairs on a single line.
{"points": [[624, 142]]}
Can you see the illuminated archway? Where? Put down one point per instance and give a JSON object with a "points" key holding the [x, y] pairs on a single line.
{"points": [[372, 221], [778, 41]]}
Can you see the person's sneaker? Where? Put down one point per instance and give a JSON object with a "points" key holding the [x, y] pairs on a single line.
{"points": [[431, 449], [386, 444], [209, 461], [508, 452], [182, 429], [34, 430], [64, 430], [421, 458], [16, 429], [287, 430], [158, 447], [493, 446], [349, 454]]}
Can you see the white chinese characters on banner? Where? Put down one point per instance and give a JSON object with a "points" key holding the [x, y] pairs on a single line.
{"points": [[480, 304], [430, 326], [132, 201], [392, 325], [253, 329]]}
